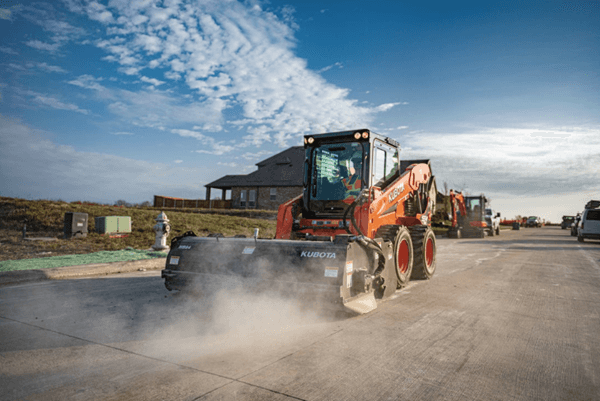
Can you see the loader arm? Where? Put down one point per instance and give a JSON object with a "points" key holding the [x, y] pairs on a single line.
{"points": [[457, 204], [409, 200], [286, 215]]}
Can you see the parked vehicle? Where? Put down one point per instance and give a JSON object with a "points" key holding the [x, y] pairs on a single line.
{"points": [[589, 227], [566, 222], [493, 220], [533, 221]]}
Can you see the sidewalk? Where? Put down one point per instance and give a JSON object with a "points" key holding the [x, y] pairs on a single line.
{"points": [[98, 269]]}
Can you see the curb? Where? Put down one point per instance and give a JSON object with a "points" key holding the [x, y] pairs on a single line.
{"points": [[97, 269]]}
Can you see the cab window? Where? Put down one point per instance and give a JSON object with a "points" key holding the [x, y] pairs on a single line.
{"points": [[385, 164]]}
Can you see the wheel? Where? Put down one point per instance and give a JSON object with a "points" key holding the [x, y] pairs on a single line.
{"points": [[498, 230], [425, 248], [492, 232], [400, 237], [579, 238], [403, 256], [458, 234]]}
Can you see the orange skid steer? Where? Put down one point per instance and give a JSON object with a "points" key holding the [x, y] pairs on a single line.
{"points": [[360, 230]]}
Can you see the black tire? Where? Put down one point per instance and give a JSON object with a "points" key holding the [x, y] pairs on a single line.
{"points": [[458, 234], [498, 230], [579, 238], [425, 248], [403, 257], [492, 232], [400, 237]]}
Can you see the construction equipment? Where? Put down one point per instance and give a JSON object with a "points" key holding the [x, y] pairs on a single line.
{"points": [[566, 222], [468, 216], [360, 230]]}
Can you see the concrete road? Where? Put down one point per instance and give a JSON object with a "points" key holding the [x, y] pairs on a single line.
{"points": [[514, 317]]}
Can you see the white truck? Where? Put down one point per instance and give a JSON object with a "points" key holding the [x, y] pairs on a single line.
{"points": [[493, 222], [589, 226]]}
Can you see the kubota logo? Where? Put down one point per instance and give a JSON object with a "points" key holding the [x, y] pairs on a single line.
{"points": [[322, 255], [397, 191]]}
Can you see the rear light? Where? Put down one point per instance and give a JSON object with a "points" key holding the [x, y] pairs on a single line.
{"points": [[481, 224]]}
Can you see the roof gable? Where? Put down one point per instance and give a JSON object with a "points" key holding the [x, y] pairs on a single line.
{"points": [[283, 169]]}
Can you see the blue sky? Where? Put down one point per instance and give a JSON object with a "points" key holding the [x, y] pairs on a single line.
{"points": [[107, 100]]}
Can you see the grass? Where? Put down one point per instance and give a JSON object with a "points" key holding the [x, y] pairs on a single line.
{"points": [[45, 218]]}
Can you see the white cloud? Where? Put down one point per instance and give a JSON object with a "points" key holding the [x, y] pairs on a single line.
{"points": [[233, 54], [49, 47], [152, 81], [99, 12], [152, 108], [50, 68], [88, 82], [54, 103], [329, 67], [51, 22], [232, 164], [33, 165], [516, 161], [123, 133], [8, 50], [256, 156], [214, 147]]}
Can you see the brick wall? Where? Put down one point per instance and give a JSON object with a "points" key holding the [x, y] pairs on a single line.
{"points": [[263, 197]]}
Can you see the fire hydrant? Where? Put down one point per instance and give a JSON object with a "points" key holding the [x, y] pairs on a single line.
{"points": [[162, 229]]}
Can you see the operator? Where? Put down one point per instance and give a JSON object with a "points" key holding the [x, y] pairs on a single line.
{"points": [[353, 182]]}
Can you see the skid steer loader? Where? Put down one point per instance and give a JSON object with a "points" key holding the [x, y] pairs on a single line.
{"points": [[360, 230]]}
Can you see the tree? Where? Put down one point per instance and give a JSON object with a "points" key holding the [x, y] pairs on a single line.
{"points": [[123, 203]]}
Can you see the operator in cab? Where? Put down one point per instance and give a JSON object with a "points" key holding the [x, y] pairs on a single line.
{"points": [[351, 169]]}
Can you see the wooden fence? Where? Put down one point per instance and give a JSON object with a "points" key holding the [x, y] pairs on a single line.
{"points": [[170, 202]]}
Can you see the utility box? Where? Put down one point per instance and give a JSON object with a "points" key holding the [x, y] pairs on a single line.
{"points": [[76, 225], [113, 224]]}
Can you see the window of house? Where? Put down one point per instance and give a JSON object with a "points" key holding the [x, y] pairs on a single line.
{"points": [[252, 198], [273, 194], [243, 198]]}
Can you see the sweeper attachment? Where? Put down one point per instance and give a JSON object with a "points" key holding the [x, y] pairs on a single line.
{"points": [[359, 231]]}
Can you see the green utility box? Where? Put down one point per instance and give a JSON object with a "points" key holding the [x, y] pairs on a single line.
{"points": [[113, 224]]}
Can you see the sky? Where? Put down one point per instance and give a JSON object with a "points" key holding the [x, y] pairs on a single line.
{"points": [[117, 99]]}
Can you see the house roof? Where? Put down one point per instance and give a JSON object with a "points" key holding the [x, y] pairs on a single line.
{"points": [[285, 169]]}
